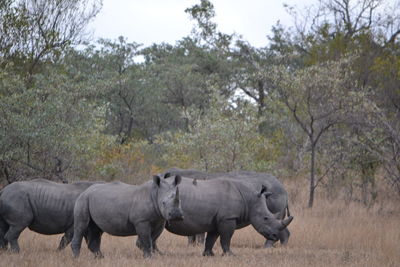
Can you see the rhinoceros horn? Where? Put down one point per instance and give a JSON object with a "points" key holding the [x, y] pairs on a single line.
{"points": [[177, 195], [286, 222]]}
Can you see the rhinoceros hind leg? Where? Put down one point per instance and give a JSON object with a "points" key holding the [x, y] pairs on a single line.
{"points": [[12, 236], [81, 223], [66, 239], [94, 240], [284, 236], [3, 230], [210, 241]]}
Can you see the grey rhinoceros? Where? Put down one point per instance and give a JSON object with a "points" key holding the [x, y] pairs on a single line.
{"points": [[123, 210], [219, 206], [277, 198], [43, 206]]}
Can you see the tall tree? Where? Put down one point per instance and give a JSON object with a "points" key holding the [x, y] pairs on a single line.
{"points": [[319, 98]]}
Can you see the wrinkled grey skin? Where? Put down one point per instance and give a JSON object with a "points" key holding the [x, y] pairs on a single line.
{"points": [[218, 207], [123, 210], [277, 200], [43, 206]]}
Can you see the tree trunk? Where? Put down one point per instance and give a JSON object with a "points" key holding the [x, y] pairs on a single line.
{"points": [[312, 176], [261, 97]]}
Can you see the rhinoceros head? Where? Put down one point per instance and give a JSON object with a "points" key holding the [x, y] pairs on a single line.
{"points": [[264, 221], [168, 197]]}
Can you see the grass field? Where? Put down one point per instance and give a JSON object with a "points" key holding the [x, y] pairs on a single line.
{"points": [[333, 233]]}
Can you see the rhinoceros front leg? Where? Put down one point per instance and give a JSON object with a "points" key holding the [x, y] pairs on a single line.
{"points": [[210, 241], [226, 230], [283, 237], [155, 234], [143, 230]]}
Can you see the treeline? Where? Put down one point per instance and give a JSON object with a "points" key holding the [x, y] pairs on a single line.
{"points": [[320, 100]]}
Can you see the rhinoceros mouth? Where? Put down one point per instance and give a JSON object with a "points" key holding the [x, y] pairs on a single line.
{"points": [[273, 237], [176, 219]]}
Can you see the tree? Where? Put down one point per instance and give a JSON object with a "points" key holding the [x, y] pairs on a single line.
{"points": [[225, 138], [319, 98], [34, 30], [42, 109]]}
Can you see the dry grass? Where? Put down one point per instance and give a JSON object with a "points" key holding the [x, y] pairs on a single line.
{"points": [[330, 234]]}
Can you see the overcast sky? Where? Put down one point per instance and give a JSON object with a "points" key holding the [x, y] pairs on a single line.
{"points": [[156, 21]]}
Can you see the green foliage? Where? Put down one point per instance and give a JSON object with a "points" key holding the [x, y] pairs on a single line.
{"points": [[42, 126], [224, 139]]}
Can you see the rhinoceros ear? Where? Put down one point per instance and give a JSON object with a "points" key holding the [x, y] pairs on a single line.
{"points": [[263, 190], [168, 174], [177, 180], [157, 180]]}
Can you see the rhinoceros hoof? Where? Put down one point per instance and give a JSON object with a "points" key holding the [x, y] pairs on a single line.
{"points": [[228, 253], [208, 253], [159, 252], [98, 255], [14, 250], [269, 244], [147, 255]]}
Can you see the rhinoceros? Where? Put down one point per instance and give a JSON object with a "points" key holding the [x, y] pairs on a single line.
{"points": [[123, 210], [219, 206], [43, 206], [277, 198]]}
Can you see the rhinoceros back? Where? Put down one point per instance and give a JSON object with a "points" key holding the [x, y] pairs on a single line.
{"points": [[46, 206]]}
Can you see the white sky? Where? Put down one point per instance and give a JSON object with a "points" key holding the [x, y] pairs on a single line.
{"points": [[155, 21]]}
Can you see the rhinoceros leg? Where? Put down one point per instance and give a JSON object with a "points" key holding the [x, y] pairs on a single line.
{"points": [[210, 241], [284, 236], [143, 229], [66, 239], [81, 224], [94, 240], [3, 230], [192, 240], [269, 243], [155, 234], [196, 239], [226, 229], [200, 238], [12, 236]]}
